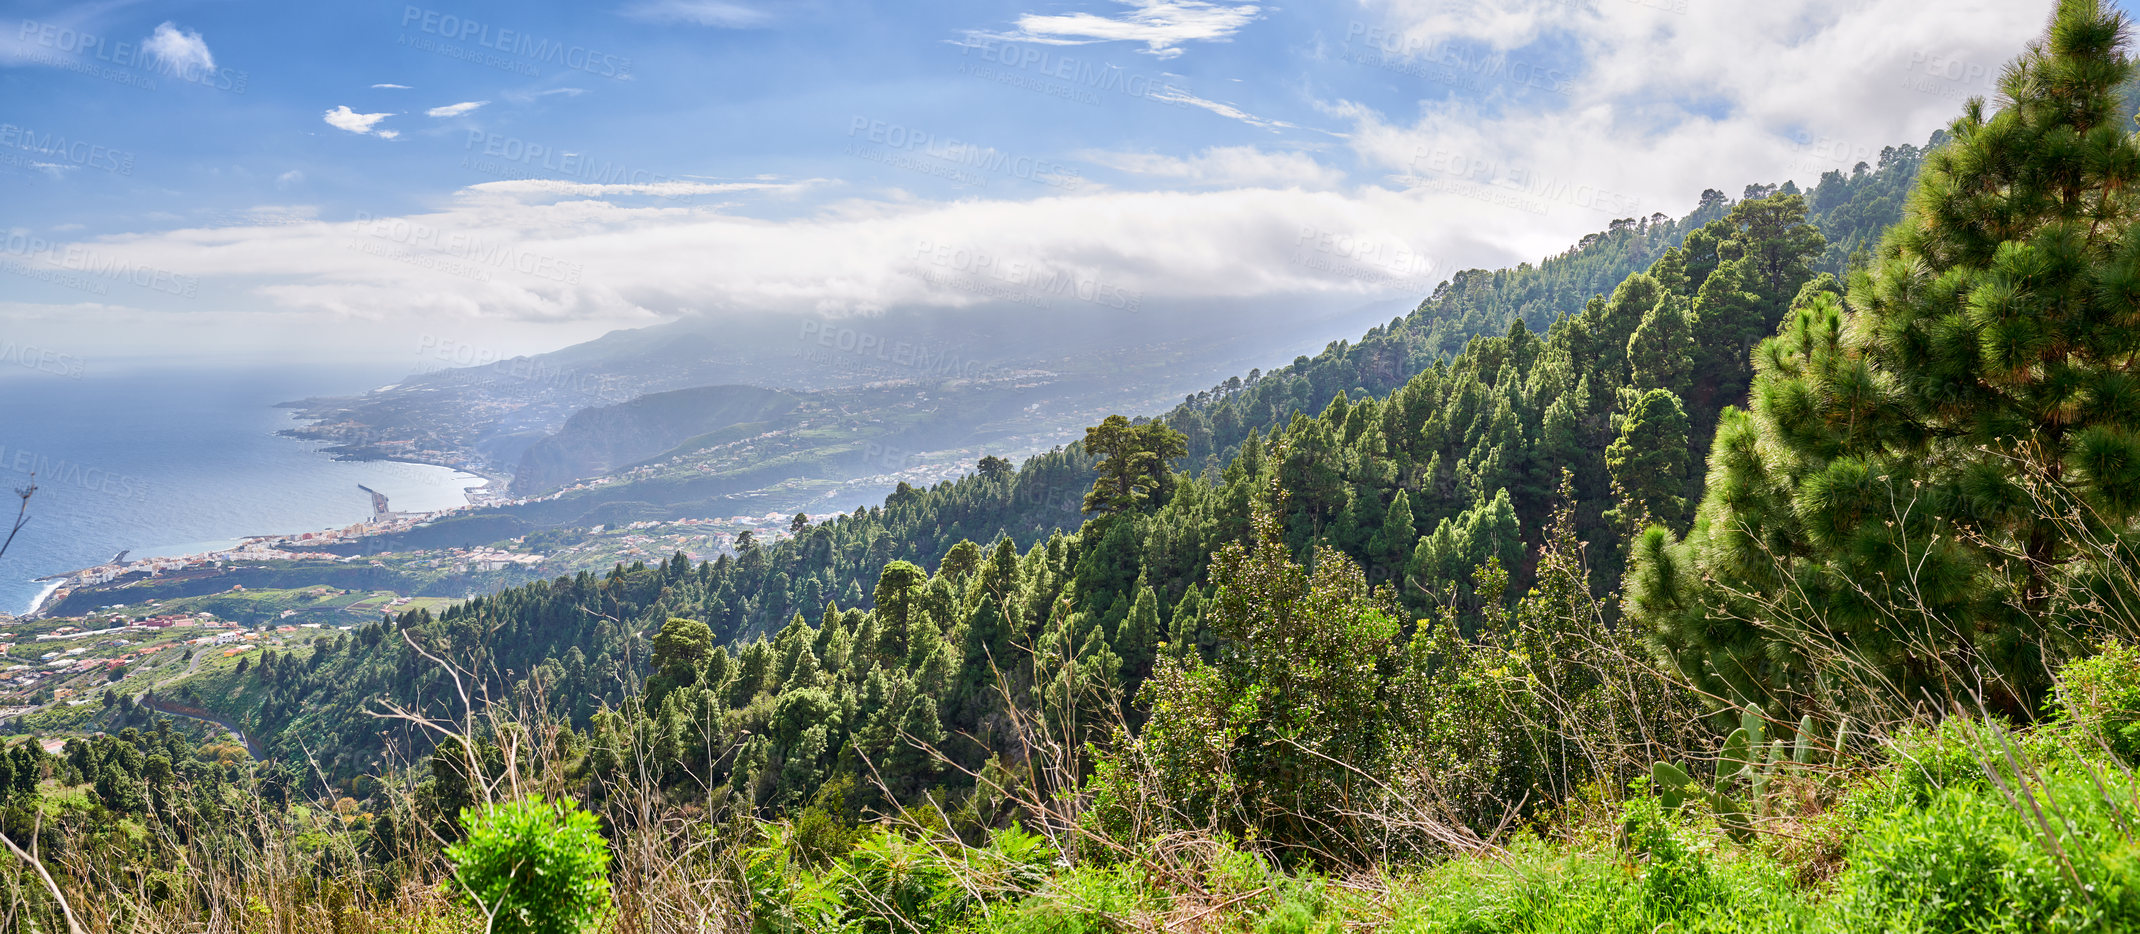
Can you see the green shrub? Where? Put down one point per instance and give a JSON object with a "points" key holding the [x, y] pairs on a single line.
{"points": [[823, 831], [1292, 916], [1675, 875], [888, 882], [786, 895], [1971, 859], [1955, 754], [538, 867], [1533, 887], [1086, 900], [1301, 903], [893, 884], [2100, 697]]}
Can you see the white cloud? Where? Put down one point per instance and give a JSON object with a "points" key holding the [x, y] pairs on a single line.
{"points": [[525, 251], [524, 96], [1164, 26], [1663, 100], [290, 179], [342, 118], [1174, 95], [1663, 105], [668, 189], [718, 13], [1225, 166], [454, 110], [1499, 23], [180, 48], [397, 87]]}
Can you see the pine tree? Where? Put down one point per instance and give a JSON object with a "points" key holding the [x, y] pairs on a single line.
{"points": [[1648, 463], [1887, 490], [1187, 633], [1133, 463], [1141, 635], [1484, 533], [1393, 543], [1660, 354], [1765, 257], [1670, 271], [912, 766], [1777, 246], [1615, 321], [898, 600]]}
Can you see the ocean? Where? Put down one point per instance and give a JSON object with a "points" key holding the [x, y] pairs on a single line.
{"points": [[168, 462]]}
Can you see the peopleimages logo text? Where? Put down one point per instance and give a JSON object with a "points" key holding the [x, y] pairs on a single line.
{"points": [[133, 56], [80, 258], [54, 472], [514, 42], [80, 153], [32, 357]]}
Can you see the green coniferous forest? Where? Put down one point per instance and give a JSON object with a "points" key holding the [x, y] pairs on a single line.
{"points": [[1766, 569]]}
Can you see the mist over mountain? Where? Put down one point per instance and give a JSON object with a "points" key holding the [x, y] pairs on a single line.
{"points": [[1065, 359], [597, 440]]}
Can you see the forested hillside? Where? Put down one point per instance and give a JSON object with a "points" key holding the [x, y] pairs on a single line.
{"points": [[1461, 464], [1768, 570], [1850, 210]]}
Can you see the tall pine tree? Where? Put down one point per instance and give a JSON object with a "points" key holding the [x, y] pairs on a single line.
{"points": [[1895, 492]]}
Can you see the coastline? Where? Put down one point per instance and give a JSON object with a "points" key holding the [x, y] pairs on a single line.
{"points": [[490, 491], [471, 495], [42, 596], [130, 482]]}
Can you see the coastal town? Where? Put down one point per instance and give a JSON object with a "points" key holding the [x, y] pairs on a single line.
{"points": [[62, 661], [253, 549], [449, 572]]}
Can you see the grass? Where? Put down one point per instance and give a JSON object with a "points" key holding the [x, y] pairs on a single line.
{"points": [[1969, 826], [1963, 859], [1943, 834]]}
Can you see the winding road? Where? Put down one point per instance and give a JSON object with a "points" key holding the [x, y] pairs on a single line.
{"points": [[161, 705]]}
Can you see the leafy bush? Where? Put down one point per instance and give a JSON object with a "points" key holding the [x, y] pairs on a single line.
{"points": [[1674, 874], [887, 882], [823, 831], [892, 884], [1537, 887], [1299, 906], [1089, 899], [538, 867], [2100, 696], [1974, 860], [1955, 754]]}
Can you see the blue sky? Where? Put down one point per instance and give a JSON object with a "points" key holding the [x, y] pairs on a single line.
{"points": [[315, 179]]}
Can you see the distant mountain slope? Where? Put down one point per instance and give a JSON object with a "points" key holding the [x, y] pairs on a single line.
{"points": [[1851, 210], [598, 440], [484, 417]]}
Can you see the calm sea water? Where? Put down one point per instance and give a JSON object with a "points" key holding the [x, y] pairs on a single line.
{"points": [[177, 462]]}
